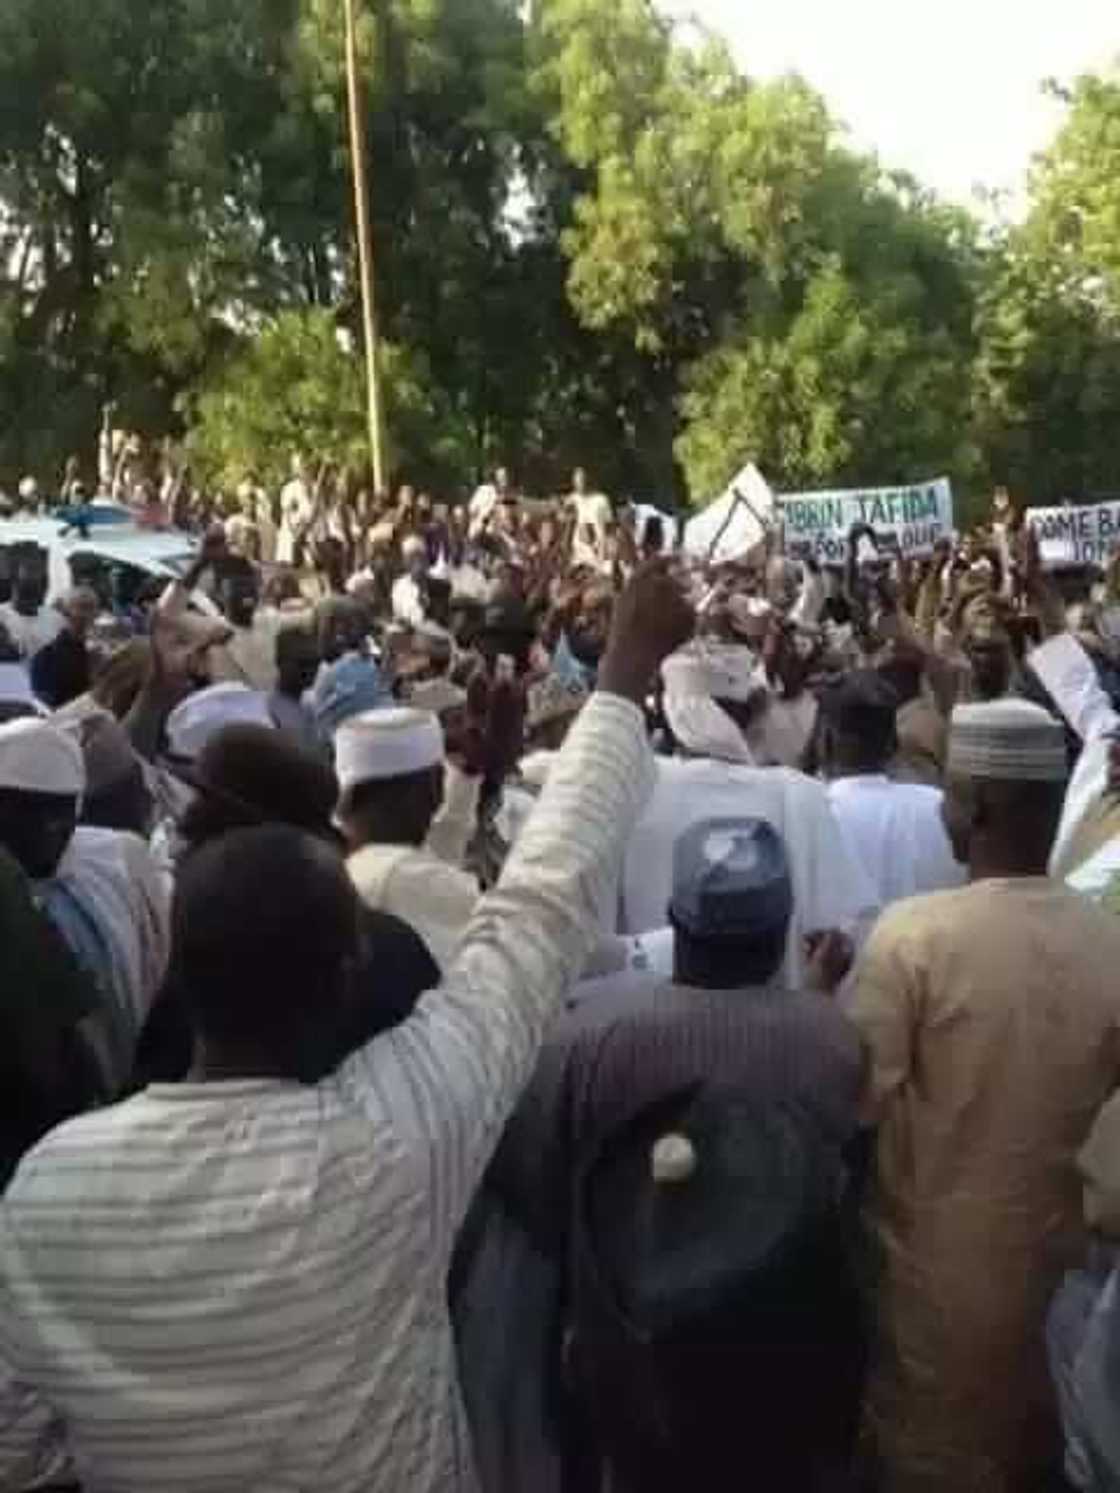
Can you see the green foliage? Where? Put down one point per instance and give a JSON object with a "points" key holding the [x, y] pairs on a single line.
{"points": [[295, 387], [1075, 221], [1047, 378], [598, 242], [851, 393]]}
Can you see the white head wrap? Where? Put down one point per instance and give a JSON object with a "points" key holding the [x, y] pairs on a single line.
{"points": [[696, 677]]}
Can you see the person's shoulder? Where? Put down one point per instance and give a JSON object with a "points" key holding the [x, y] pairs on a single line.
{"points": [[92, 843], [793, 780], [919, 795], [79, 1156], [914, 919], [824, 1018]]}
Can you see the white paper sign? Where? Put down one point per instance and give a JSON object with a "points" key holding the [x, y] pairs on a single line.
{"points": [[1076, 536], [735, 523], [912, 518]]}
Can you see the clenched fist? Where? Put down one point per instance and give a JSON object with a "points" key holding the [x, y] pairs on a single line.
{"points": [[652, 618]]}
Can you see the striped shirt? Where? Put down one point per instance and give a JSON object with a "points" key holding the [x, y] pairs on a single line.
{"points": [[608, 1060], [242, 1285]]}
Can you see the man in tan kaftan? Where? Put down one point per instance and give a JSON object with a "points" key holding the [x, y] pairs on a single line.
{"points": [[992, 1015]]}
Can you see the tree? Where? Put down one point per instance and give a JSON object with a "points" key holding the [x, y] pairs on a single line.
{"points": [[792, 305], [1047, 374], [129, 172], [296, 387], [1075, 192]]}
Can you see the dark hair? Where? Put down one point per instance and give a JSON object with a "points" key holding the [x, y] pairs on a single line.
{"points": [[265, 930], [405, 804], [250, 775], [860, 711], [124, 804]]}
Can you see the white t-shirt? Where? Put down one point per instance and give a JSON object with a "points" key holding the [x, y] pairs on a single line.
{"points": [[29, 634], [896, 833], [830, 888], [295, 510], [482, 505], [408, 602], [594, 516]]}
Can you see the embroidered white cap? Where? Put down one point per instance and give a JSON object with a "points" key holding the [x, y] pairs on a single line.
{"points": [[202, 715], [36, 757], [386, 744]]}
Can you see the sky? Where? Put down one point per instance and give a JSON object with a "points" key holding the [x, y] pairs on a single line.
{"points": [[947, 89]]}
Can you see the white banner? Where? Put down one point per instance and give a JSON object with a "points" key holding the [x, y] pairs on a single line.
{"points": [[912, 519], [1076, 536]]}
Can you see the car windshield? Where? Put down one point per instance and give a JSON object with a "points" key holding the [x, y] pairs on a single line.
{"points": [[178, 564]]}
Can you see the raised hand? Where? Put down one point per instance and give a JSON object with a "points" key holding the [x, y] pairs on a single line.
{"points": [[652, 618]]}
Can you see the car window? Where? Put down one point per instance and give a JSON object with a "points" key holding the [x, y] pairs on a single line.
{"points": [[19, 553], [119, 585]]}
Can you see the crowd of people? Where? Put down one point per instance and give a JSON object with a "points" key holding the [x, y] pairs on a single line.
{"points": [[493, 1003]]}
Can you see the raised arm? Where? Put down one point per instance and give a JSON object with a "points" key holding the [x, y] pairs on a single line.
{"points": [[447, 1079], [1067, 672]]}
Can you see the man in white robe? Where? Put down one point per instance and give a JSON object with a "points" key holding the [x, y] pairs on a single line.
{"points": [[408, 816], [705, 687], [894, 830]]}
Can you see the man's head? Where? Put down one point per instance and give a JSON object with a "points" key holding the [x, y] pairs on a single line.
{"points": [[414, 554], [297, 660], [342, 625], [116, 794], [238, 590], [42, 778], [1005, 786], [731, 905], [903, 668], [507, 630], [390, 771], [857, 724], [579, 481], [248, 776], [29, 587], [501, 479], [986, 643], [653, 537], [267, 978], [80, 608], [712, 696], [590, 624]]}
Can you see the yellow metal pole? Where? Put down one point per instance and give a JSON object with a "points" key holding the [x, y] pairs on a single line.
{"points": [[365, 248]]}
